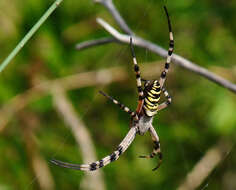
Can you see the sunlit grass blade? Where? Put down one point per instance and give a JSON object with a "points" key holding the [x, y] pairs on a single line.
{"points": [[21, 44]]}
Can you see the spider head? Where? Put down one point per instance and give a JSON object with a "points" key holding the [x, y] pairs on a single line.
{"points": [[155, 84], [151, 83], [146, 82]]}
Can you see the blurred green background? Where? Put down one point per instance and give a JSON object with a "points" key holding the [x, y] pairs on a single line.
{"points": [[202, 113]]}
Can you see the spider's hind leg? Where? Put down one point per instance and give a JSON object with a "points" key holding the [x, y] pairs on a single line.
{"points": [[122, 106], [156, 149]]}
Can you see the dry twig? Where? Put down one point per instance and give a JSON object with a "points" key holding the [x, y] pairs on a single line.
{"points": [[116, 15], [37, 162], [97, 42], [206, 165], [92, 180], [125, 38]]}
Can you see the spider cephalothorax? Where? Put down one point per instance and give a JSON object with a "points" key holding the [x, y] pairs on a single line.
{"points": [[141, 119]]}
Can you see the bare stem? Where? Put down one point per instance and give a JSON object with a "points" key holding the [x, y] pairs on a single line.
{"points": [[116, 15], [62, 104], [29, 35], [177, 59], [97, 42], [206, 165], [124, 38], [38, 164]]}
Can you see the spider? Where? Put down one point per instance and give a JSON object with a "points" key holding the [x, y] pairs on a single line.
{"points": [[141, 119]]}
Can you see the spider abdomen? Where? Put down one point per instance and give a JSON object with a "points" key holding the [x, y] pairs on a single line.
{"points": [[144, 124], [151, 98]]}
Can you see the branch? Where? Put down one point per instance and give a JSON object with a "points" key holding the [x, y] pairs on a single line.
{"points": [[116, 15], [91, 43], [93, 180], [162, 52], [206, 165], [124, 38], [21, 44], [38, 164]]}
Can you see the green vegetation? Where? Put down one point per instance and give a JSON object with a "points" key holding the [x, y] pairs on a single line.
{"points": [[202, 113]]}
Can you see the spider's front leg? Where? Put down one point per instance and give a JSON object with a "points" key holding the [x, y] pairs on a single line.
{"points": [[133, 114], [170, 51], [167, 102], [138, 79], [156, 149]]}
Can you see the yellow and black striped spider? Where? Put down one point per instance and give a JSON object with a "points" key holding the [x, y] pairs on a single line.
{"points": [[141, 119]]}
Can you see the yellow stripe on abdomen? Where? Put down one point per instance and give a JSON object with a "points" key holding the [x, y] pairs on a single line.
{"points": [[151, 99]]}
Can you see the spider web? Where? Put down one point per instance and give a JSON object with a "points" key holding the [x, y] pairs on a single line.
{"points": [[181, 149], [90, 107]]}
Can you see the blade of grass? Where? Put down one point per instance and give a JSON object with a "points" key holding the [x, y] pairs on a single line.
{"points": [[21, 44]]}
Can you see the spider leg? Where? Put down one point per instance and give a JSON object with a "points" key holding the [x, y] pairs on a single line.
{"points": [[170, 51], [138, 79], [106, 160], [122, 106], [156, 149], [167, 102], [137, 72]]}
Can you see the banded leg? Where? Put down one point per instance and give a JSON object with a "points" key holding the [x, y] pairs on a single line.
{"points": [[166, 103], [156, 149], [138, 79], [122, 106], [106, 160], [170, 51]]}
